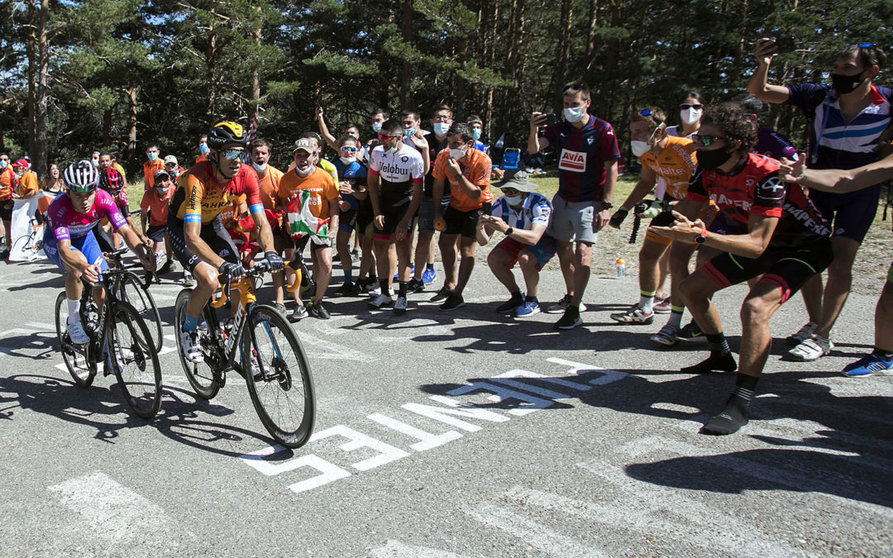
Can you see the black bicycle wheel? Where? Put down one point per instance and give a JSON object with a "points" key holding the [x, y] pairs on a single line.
{"points": [[134, 292], [202, 376], [81, 370], [282, 391], [134, 360]]}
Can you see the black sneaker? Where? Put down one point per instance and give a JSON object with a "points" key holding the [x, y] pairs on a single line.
{"points": [[166, 268], [570, 320], [511, 304], [452, 302], [442, 294], [690, 332], [348, 289], [415, 286], [317, 310]]}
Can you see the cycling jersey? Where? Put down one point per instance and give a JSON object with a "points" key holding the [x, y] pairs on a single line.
{"points": [[200, 198], [835, 143], [65, 223], [475, 167], [536, 210], [582, 153], [756, 189], [398, 170], [675, 164]]}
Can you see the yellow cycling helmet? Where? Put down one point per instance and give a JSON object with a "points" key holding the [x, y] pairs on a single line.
{"points": [[226, 132]]}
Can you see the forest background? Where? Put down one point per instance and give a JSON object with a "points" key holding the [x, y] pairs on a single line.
{"points": [[117, 74]]}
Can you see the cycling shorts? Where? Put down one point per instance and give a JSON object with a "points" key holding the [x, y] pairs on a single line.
{"points": [[86, 245], [213, 233]]}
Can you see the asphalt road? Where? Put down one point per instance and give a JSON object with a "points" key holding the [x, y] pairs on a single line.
{"points": [[451, 434]]}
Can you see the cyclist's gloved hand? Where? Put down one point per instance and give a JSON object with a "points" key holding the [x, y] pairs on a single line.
{"points": [[274, 261], [231, 270]]}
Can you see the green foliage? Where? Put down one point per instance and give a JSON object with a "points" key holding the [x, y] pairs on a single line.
{"points": [[188, 62]]}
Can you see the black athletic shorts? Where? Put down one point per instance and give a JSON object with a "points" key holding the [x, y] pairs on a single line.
{"points": [[213, 233], [394, 208], [788, 268], [464, 222]]}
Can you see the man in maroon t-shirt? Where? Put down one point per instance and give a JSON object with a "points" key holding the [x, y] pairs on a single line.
{"points": [[587, 163], [783, 239]]}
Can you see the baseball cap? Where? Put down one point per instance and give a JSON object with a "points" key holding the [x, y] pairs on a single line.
{"points": [[161, 172], [517, 179], [21, 163], [170, 160], [305, 144]]}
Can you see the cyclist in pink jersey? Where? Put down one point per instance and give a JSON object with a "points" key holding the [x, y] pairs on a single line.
{"points": [[69, 240]]}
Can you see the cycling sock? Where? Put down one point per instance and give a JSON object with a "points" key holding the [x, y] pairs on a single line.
{"points": [[190, 323], [717, 343], [733, 416], [885, 355], [716, 362], [385, 288], [529, 298], [675, 317], [348, 275], [402, 289], [74, 306], [429, 266], [646, 302]]}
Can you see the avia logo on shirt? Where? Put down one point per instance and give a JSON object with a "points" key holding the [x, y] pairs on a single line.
{"points": [[574, 161]]}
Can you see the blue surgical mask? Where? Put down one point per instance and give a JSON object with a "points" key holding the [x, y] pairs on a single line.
{"points": [[407, 132], [347, 161], [4, 164], [259, 168], [513, 200], [476, 133], [441, 128], [391, 150], [152, 156], [376, 127], [203, 147], [574, 114]]}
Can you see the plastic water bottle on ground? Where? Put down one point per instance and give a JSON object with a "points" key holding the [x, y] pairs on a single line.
{"points": [[621, 268]]}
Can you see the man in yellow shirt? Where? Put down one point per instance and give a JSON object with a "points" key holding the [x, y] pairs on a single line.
{"points": [[28, 185]]}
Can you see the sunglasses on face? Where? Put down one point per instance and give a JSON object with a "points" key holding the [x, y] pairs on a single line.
{"points": [[707, 140], [348, 149], [383, 137], [686, 106], [232, 154]]}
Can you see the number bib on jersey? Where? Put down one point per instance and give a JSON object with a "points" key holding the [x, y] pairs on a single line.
{"points": [[573, 161]]}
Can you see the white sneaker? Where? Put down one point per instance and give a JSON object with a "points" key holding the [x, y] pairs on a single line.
{"points": [[400, 305], [811, 349], [192, 349], [802, 334], [77, 334], [381, 301]]}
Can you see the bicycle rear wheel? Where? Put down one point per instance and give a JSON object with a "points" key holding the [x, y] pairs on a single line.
{"points": [[81, 369], [134, 292], [282, 392], [203, 376], [134, 360]]}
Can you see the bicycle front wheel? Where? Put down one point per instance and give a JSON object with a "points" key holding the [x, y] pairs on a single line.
{"points": [[81, 369], [134, 292], [134, 360], [202, 376], [278, 377]]}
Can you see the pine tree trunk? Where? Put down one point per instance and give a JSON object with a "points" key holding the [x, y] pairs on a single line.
{"points": [[39, 150]]}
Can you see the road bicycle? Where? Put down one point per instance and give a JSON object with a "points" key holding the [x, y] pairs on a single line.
{"points": [[119, 339], [130, 287], [271, 357]]}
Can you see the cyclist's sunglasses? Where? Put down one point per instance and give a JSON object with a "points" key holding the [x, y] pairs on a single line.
{"points": [[707, 140], [232, 154]]}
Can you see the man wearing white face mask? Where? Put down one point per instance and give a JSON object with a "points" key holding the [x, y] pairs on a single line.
{"points": [[588, 155], [268, 178], [674, 160]]}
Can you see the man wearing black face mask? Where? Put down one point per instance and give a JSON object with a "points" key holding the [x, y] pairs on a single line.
{"points": [[774, 232], [846, 123]]}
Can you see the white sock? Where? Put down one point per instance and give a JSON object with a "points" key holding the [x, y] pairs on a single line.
{"points": [[74, 306], [675, 319], [646, 303]]}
